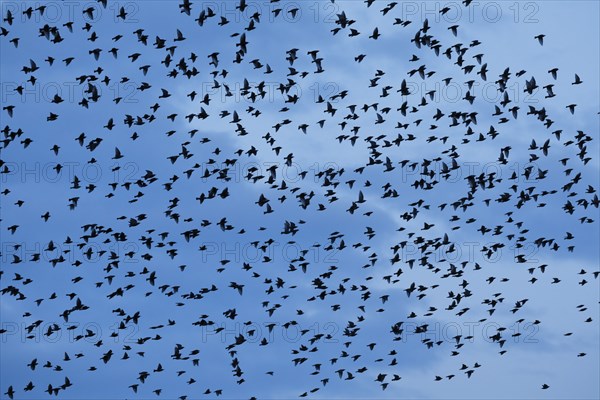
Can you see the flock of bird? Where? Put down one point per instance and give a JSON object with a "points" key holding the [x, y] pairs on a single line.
{"points": [[406, 150]]}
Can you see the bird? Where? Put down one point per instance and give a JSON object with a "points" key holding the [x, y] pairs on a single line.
{"points": [[540, 39]]}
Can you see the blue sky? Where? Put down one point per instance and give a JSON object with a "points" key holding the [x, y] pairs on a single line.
{"points": [[506, 30]]}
